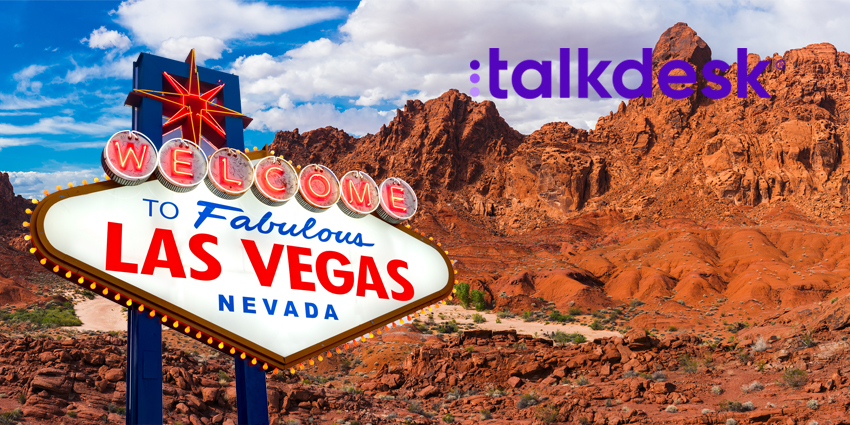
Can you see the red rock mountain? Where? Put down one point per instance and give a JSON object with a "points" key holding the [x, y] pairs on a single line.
{"points": [[13, 211], [653, 158], [522, 209]]}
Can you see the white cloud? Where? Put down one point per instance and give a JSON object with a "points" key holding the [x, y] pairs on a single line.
{"points": [[171, 27], [67, 125], [310, 116], [30, 184], [24, 78], [386, 50], [14, 102], [6, 142], [102, 38], [122, 67], [205, 48]]}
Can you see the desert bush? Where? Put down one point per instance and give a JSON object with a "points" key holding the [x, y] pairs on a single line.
{"points": [[812, 404], [448, 418], [659, 376], [688, 364], [671, 409], [731, 421], [582, 381], [807, 339], [716, 390], [479, 301], [463, 294], [526, 400], [447, 327], [760, 345], [636, 303], [630, 374], [752, 386], [563, 338], [574, 311], [53, 315], [596, 326], [485, 414], [793, 377], [735, 406], [546, 414], [415, 407], [527, 316], [477, 318]]}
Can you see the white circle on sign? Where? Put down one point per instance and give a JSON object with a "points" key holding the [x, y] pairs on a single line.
{"points": [[230, 173], [129, 158], [358, 193], [275, 180], [398, 200], [181, 166], [318, 187]]}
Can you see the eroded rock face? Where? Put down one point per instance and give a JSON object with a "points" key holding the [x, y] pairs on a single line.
{"points": [[13, 211]]}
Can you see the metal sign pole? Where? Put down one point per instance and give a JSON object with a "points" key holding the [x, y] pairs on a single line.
{"points": [[144, 369], [252, 406], [144, 335]]}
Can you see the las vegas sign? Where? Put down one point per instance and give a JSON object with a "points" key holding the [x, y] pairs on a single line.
{"points": [[242, 250]]}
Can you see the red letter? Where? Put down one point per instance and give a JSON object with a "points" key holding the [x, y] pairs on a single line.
{"points": [[325, 182], [265, 274], [322, 272], [367, 265], [113, 250], [296, 267], [196, 245], [164, 238], [222, 169], [364, 195], [131, 150], [269, 182], [394, 198], [392, 269], [181, 163]]}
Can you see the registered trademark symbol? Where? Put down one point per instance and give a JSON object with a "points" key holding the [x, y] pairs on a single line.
{"points": [[780, 64]]}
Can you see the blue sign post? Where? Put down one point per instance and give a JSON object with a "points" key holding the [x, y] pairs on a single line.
{"points": [[144, 334]]}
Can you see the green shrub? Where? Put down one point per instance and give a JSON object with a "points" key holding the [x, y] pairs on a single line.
{"points": [[477, 318], [527, 316], [448, 418], [562, 338], [574, 311], [463, 294], [447, 327], [72, 414], [53, 315], [526, 400], [793, 377], [479, 301], [11, 417], [596, 326], [546, 414], [688, 364]]}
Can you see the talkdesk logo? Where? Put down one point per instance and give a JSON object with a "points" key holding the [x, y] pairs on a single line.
{"points": [[589, 79]]}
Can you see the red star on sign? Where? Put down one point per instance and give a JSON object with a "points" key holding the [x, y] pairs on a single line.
{"points": [[196, 114]]}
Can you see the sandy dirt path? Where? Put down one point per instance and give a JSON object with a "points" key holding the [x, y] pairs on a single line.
{"points": [[99, 314], [459, 314]]}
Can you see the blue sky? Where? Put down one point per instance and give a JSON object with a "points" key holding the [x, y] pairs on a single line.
{"points": [[67, 65]]}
